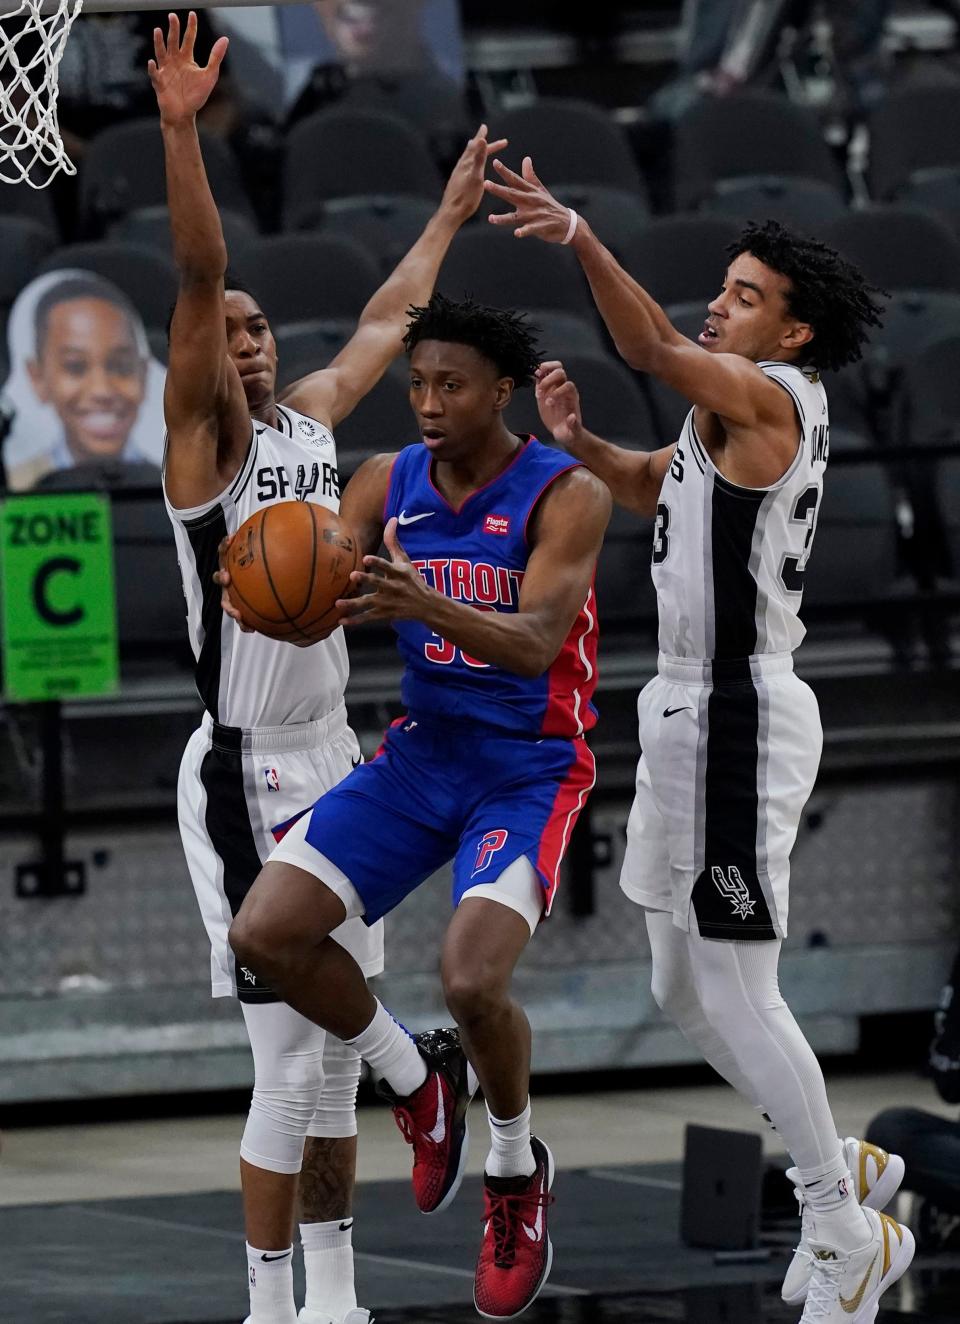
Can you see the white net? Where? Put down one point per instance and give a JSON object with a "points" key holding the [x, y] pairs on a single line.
{"points": [[31, 46]]}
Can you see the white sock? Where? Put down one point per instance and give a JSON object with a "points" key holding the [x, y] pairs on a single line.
{"points": [[270, 1276], [510, 1152], [328, 1261], [831, 1196], [390, 1052]]}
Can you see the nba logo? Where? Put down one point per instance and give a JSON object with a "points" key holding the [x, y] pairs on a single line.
{"points": [[488, 847], [273, 780]]}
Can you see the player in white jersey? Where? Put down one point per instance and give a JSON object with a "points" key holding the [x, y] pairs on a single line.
{"points": [[274, 731], [731, 738]]}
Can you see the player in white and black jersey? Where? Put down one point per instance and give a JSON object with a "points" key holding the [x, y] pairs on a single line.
{"points": [[274, 733], [731, 737]]}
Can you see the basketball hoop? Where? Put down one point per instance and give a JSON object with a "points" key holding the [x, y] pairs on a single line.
{"points": [[32, 37]]}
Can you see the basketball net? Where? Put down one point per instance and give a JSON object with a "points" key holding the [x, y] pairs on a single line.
{"points": [[31, 46]]}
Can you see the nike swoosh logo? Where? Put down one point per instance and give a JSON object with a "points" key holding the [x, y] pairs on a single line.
{"points": [[357, 761], [440, 1130], [345, 1226], [853, 1304], [685, 708], [404, 518], [268, 1258]]}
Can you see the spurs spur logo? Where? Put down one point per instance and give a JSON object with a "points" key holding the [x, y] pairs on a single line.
{"points": [[730, 884]]}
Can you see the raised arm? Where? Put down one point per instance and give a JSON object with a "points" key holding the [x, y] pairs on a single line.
{"points": [[633, 477], [727, 384], [567, 533], [330, 394], [208, 423]]}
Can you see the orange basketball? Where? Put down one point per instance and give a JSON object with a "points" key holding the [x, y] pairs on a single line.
{"points": [[288, 565]]}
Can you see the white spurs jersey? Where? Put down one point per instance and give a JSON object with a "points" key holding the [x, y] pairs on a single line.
{"points": [[248, 680], [728, 561]]}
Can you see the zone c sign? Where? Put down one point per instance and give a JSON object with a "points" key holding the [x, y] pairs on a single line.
{"points": [[59, 610]]}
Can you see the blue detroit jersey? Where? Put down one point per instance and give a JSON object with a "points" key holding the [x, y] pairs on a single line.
{"points": [[478, 554]]}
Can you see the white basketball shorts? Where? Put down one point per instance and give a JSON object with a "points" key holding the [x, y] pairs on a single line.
{"points": [[730, 756], [234, 787]]}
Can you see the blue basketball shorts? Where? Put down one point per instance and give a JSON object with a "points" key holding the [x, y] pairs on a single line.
{"points": [[440, 790]]}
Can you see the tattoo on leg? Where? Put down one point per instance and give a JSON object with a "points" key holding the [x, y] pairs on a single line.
{"points": [[327, 1177]]}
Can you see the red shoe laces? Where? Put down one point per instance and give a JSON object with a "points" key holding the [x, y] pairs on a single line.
{"points": [[506, 1213]]}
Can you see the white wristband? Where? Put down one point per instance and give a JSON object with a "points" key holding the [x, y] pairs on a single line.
{"points": [[571, 228]]}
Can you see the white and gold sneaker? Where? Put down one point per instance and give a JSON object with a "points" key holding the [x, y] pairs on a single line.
{"points": [[876, 1178], [845, 1286]]}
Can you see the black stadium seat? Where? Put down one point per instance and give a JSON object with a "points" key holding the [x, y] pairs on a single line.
{"points": [[898, 248], [854, 557], [931, 396], [912, 129], [490, 265], [312, 344], [302, 277], [682, 259], [342, 153], [571, 142], [387, 225], [626, 598], [615, 215], [802, 204], [612, 402], [747, 133], [123, 170], [147, 278], [382, 421], [151, 226], [948, 499], [24, 243]]}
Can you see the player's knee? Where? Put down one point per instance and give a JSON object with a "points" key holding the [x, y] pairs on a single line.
{"points": [[257, 944], [475, 993]]}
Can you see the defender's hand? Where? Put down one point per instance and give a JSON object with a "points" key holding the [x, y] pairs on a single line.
{"points": [[387, 590], [536, 211], [183, 86], [558, 401], [464, 190], [222, 577]]}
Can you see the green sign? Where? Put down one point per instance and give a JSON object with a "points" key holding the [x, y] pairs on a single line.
{"points": [[59, 612]]}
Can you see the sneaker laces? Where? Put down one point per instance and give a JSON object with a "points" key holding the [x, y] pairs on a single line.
{"points": [[802, 1207], [823, 1290], [506, 1213]]}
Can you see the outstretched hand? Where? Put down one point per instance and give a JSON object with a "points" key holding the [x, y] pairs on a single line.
{"points": [[464, 191], [535, 210], [558, 401], [183, 86], [391, 590]]}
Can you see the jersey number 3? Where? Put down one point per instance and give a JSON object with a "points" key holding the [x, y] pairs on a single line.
{"points": [[804, 512], [661, 538]]}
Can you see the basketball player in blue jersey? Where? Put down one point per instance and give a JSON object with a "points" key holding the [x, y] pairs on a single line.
{"points": [[492, 542], [274, 732], [731, 737]]}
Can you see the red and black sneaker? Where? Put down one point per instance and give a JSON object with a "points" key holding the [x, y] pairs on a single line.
{"points": [[434, 1118], [516, 1253]]}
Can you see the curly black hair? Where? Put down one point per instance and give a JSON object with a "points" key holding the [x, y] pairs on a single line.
{"points": [[504, 337], [825, 290]]}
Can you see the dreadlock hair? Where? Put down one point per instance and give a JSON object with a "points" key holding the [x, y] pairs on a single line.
{"points": [[825, 290], [504, 337]]}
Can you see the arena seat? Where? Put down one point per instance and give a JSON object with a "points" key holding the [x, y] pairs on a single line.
{"points": [[151, 226], [854, 557], [387, 225], [342, 153], [930, 402], [571, 142], [912, 130], [24, 243], [747, 133], [682, 258], [314, 343], [615, 215], [948, 499], [382, 421], [302, 277], [146, 277], [612, 402], [562, 334], [123, 170], [898, 248], [489, 265], [626, 598], [802, 204]]}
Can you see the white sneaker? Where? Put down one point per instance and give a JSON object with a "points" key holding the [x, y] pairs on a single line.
{"points": [[357, 1316], [876, 1179], [846, 1286]]}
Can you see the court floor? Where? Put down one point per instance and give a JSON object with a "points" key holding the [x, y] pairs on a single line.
{"points": [[139, 1222]]}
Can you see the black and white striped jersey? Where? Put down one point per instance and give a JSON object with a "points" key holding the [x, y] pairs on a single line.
{"points": [[248, 680], [729, 561]]}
